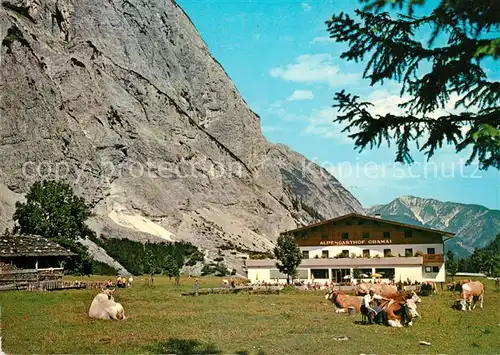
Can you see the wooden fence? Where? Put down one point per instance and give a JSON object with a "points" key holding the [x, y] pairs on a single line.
{"points": [[64, 285], [237, 289], [19, 279], [42, 280]]}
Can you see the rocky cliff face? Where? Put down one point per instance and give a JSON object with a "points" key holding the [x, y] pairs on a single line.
{"points": [[474, 225], [123, 100]]}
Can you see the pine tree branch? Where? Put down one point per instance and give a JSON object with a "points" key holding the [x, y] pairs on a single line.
{"points": [[372, 131]]}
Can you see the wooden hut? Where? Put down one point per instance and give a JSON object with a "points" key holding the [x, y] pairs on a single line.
{"points": [[31, 252]]}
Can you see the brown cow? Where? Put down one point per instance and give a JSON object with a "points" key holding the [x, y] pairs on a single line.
{"points": [[343, 301], [399, 313], [384, 290], [472, 292]]}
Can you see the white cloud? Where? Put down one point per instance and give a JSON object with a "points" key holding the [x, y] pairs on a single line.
{"points": [[373, 177], [306, 7], [316, 68], [298, 95], [277, 109], [321, 124], [321, 40]]}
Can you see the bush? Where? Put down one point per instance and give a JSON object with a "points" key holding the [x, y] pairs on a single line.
{"points": [[146, 258], [100, 268]]}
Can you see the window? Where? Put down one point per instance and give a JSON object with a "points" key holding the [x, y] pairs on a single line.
{"points": [[387, 252], [366, 235], [305, 254], [408, 234], [409, 252], [432, 269], [324, 254], [431, 251], [386, 273], [319, 273], [324, 236], [366, 253], [345, 235], [387, 235]]}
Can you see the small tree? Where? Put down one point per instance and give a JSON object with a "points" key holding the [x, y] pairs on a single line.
{"points": [[451, 264], [170, 267], [221, 270], [289, 256]]}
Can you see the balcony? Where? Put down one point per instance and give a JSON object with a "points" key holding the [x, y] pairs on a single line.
{"points": [[433, 258]]}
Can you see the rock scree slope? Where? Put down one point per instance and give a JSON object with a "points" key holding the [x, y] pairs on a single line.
{"points": [[123, 100]]}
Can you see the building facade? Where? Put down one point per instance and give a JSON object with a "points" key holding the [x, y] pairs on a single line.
{"points": [[358, 246]]}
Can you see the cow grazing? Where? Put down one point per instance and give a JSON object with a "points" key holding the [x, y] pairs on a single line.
{"points": [[343, 301], [472, 292], [104, 307], [427, 287]]}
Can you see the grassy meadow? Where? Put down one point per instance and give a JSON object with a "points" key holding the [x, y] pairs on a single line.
{"points": [[293, 322]]}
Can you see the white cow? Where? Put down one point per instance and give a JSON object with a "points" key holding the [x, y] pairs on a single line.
{"points": [[104, 307]]}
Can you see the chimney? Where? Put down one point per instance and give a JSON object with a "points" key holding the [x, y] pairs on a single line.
{"points": [[378, 215]]}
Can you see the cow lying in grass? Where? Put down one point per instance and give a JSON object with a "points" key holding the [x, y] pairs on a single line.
{"points": [[472, 292], [399, 313], [343, 301], [384, 290], [395, 312], [104, 306]]}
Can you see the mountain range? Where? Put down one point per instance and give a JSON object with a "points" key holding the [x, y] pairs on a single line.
{"points": [[474, 225]]}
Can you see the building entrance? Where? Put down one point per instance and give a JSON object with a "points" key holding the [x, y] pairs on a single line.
{"points": [[339, 274]]}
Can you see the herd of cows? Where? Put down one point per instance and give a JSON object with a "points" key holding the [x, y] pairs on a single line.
{"points": [[399, 308]]}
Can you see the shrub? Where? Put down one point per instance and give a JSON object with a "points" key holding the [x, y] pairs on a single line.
{"points": [[100, 268], [142, 258]]}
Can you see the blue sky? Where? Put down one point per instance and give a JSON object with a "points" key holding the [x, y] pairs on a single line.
{"points": [[281, 60]]}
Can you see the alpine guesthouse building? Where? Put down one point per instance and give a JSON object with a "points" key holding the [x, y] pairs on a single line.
{"points": [[356, 246]]}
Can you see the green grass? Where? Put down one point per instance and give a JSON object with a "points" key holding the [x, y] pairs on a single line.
{"points": [[162, 321]]}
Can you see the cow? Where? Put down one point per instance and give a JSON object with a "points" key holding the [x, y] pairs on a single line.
{"points": [[343, 301], [399, 313], [409, 297], [427, 287], [472, 292], [104, 306], [130, 281], [384, 290]]}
